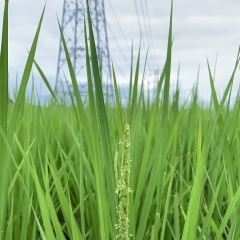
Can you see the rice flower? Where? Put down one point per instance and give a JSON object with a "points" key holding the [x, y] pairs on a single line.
{"points": [[123, 189]]}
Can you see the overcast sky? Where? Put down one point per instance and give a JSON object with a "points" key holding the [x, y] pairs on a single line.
{"points": [[202, 30]]}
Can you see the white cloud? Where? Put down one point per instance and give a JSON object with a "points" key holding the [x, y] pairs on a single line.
{"points": [[201, 30]]}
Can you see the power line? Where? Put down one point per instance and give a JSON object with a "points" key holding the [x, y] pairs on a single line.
{"points": [[119, 48], [119, 26], [146, 28], [140, 27], [150, 31]]}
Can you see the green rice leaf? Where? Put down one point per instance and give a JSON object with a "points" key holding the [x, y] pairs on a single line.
{"points": [[189, 230], [4, 177], [102, 121], [25, 77]]}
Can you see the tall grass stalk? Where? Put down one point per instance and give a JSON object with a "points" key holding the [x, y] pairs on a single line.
{"points": [[4, 176]]}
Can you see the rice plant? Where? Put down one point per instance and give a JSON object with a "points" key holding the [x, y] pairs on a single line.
{"points": [[60, 170]]}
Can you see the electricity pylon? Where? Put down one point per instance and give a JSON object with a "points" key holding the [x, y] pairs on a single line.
{"points": [[73, 30]]}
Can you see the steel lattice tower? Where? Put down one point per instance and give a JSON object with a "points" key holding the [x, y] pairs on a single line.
{"points": [[73, 30]]}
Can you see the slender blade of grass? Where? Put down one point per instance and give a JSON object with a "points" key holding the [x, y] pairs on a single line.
{"points": [[134, 94], [66, 208], [4, 176], [118, 103], [189, 231], [103, 122], [208, 218], [221, 124], [130, 81], [98, 163], [230, 210], [168, 69], [41, 196], [25, 77], [164, 222], [45, 80]]}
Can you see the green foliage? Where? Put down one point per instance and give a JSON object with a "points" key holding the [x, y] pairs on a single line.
{"points": [[4, 177], [59, 164]]}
